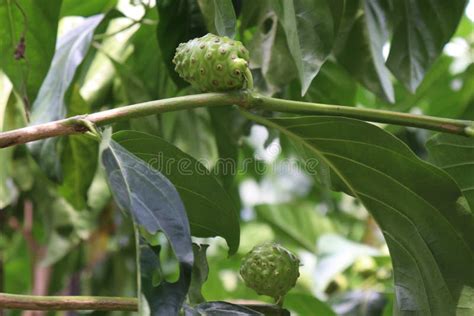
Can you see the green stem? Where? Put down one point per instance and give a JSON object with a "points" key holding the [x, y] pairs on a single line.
{"points": [[244, 99], [136, 232], [64, 303], [74, 125], [249, 78], [452, 126]]}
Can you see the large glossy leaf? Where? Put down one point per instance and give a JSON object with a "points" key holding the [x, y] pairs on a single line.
{"points": [[50, 104], [39, 27], [422, 30], [429, 237], [156, 206], [210, 209], [309, 30], [361, 51], [220, 16], [455, 154]]}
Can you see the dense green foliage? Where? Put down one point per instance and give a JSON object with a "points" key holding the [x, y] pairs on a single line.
{"points": [[380, 216]]}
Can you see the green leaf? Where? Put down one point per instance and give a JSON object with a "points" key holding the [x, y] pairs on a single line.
{"points": [[148, 64], [86, 8], [6, 154], [455, 154], [17, 262], [429, 237], [156, 206], [441, 98], [64, 227], [228, 128], [166, 298], [71, 50], [305, 304], [220, 16], [49, 105], [133, 87], [218, 308], [210, 210], [422, 30], [200, 274], [191, 131], [79, 162], [309, 30], [332, 85], [79, 158], [39, 26], [361, 51], [299, 223], [268, 48]]}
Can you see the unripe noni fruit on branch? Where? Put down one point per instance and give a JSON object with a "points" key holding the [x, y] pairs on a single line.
{"points": [[270, 269], [214, 63]]}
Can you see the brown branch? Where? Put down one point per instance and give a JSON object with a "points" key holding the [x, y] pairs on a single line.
{"points": [[65, 303], [246, 100], [74, 125]]}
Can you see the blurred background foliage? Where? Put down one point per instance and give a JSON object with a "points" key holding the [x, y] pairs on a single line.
{"points": [[60, 231]]}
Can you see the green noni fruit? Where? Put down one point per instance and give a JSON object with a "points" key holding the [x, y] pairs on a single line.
{"points": [[213, 63], [270, 269]]}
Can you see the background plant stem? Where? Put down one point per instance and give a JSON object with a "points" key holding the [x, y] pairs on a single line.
{"points": [[244, 99], [30, 302]]}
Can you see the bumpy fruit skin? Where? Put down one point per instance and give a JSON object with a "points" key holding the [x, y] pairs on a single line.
{"points": [[270, 270], [212, 63]]}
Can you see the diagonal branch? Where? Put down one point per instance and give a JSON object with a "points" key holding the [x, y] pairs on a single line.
{"points": [[244, 99], [75, 125]]}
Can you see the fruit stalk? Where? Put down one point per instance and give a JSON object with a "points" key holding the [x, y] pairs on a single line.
{"points": [[243, 99]]}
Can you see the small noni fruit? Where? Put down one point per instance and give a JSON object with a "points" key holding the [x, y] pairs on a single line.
{"points": [[270, 269], [213, 63]]}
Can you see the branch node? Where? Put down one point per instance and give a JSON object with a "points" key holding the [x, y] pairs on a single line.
{"points": [[469, 131]]}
